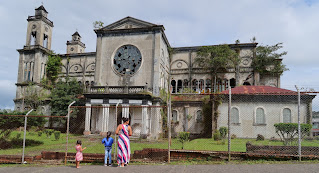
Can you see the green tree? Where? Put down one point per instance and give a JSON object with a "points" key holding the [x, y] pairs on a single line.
{"points": [[268, 60], [53, 68], [98, 24], [10, 123], [35, 96], [217, 59], [289, 131], [183, 137], [62, 95]]}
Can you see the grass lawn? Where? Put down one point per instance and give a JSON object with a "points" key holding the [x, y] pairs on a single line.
{"points": [[93, 144]]}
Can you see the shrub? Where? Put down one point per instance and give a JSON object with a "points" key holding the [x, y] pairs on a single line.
{"points": [[317, 138], [18, 135], [57, 135], [223, 132], [216, 136], [48, 132], [289, 131], [260, 137], [183, 137], [233, 136], [40, 133]]}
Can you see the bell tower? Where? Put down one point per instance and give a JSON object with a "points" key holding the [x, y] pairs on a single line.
{"points": [[39, 30], [33, 56], [75, 45]]}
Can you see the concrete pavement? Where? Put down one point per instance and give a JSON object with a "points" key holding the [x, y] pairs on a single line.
{"points": [[228, 168]]}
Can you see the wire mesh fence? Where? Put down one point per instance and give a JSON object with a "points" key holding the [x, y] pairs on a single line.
{"points": [[261, 122]]}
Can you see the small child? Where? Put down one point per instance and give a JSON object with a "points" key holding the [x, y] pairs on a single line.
{"points": [[108, 141], [79, 154]]}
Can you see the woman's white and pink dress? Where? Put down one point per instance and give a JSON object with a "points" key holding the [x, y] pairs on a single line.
{"points": [[124, 150], [78, 155]]}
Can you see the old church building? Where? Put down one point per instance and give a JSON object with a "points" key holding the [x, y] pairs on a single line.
{"points": [[131, 66]]}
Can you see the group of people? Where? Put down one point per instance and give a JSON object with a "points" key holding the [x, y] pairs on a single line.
{"points": [[123, 146]]}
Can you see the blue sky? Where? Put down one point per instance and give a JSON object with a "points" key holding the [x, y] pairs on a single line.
{"points": [[187, 23]]}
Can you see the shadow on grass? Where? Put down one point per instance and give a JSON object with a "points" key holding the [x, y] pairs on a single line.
{"points": [[17, 143]]}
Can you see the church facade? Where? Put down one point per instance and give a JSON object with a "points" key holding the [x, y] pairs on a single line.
{"points": [[132, 65]]}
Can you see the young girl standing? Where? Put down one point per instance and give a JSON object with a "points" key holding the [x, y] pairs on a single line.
{"points": [[79, 154], [108, 141]]}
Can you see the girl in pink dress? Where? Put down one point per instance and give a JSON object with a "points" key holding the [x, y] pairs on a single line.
{"points": [[79, 154]]}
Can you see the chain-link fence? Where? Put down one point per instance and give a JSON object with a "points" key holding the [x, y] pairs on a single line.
{"points": [[255, 122]]}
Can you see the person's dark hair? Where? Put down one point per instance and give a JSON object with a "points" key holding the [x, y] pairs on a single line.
{"points": [[108, 134], [79, 142], [124, 119]]}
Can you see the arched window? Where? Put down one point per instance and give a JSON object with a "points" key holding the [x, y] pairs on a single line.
{"points": [[199, 117], [194, 84], [92, 83], [201, 84], [234, 113], [173, 83], [179, 85], [185, 84], [232, 82], [260, 116], [246, 83], [286, 117], [208, 85], [174, 116]]}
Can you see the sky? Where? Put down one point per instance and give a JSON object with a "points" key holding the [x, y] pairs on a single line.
{"points": [[187, 23]]}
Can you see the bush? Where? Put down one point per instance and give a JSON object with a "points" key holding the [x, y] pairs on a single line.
{"points": [[233, 136], [317, 138], [48, 132], [260, 137], [216, 136], [288, 132], [223, 132], [18, 135], [39, 133], [57, 135], [183, 137]]}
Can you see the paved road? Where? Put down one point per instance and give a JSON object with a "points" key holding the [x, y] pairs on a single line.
{"points": [[229, 168]]}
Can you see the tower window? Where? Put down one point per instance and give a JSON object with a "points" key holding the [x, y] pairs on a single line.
{"points": [[33, 40], [45, 41]]}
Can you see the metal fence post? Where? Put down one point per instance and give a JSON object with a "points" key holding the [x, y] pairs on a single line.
{"points": [[229, 110], [299, 130], [25, 131], [115, 146], [67, 132]]}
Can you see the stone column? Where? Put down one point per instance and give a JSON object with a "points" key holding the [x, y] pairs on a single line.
{"points": [[145, 122], [125, 110], [105, 119], [87, 129]]}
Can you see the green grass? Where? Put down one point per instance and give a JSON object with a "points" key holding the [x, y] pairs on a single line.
{"points": [[94, 145]]}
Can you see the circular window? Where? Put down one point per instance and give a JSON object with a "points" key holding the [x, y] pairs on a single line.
{"points": [[179, 65], [72, 49], [34, 26], [127, 60], [76, 68]]}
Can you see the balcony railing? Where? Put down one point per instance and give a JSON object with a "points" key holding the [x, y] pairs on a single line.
{"points": [[117, 90]]}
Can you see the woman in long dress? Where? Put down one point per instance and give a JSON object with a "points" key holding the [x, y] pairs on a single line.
{"points": [[123, 150]]}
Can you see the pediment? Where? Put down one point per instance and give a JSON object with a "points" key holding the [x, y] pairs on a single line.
{"points": [[127, 23]]}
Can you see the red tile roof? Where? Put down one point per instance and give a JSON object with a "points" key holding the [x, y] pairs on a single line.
{"points": [[260, 90]]}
